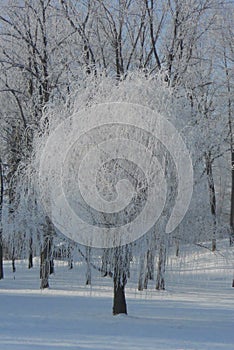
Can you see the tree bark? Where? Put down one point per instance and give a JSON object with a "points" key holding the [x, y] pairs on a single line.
{"points": [[51, 264], [232, 204], [149, 274], [120, 280], [119, 305], [141, 272], [47, 264], [230, 125], [1, 258], [106, 263], [1, 205], [177, 247], [70, 260], [212, 194], [88, 266], [150, 264], [13, 261], [30, 260], [30, 256], [160, 281]]}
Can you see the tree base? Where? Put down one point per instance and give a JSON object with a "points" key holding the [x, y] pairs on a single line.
{"points": [[44, 284], [30, 261], [213, 245], [119, 306]]}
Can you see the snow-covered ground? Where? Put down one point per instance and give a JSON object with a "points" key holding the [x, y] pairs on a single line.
{"points": [[195, 312]]}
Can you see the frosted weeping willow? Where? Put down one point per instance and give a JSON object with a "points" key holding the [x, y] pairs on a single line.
{"points": [[102, 174]]}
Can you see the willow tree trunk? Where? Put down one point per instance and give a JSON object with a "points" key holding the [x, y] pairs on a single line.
{"points": [[106, 262], [120, 280], [119, 304]]}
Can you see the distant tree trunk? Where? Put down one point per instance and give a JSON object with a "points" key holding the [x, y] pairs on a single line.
{"points": [[177, 247], [51, 252], [13, 259], [1, 205], [177, 242], [232, 209], [13, 265], [120, 280], [230, 125], [51, 264], [149, 274], [70, 264], [88, 266], [47, 264], [150, 264], [30, 260], [70, 260], [160, 281], [141, 272], [232, 205], [1, 258], [30, 256], [211, 186], [146, 281]]}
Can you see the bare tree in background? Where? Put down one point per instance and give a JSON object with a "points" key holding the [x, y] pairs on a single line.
{"points": [[1, 207]]}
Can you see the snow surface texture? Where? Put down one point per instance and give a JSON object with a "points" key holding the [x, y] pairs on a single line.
{"points": [[196, 312]]}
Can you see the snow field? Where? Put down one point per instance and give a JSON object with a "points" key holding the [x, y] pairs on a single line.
{"points": [[196, 312]]}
